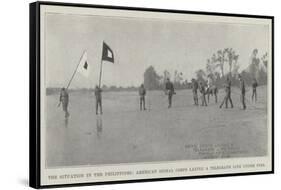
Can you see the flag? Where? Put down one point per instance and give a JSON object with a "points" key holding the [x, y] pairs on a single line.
{"points": [[107, 53], [83, 67]]}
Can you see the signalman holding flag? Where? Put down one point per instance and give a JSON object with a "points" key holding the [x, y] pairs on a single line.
{"points": [[83, 68], [98, 99], [64, 99], [107, 55]]}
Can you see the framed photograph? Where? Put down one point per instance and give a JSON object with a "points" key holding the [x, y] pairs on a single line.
{"points": [[122, 94]]}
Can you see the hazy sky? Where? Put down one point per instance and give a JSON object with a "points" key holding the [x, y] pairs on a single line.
{"points": [[139, 43]]}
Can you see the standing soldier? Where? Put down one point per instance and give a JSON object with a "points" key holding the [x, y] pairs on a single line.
{"points": [[227, 94], [254, 86], [194, 90], [64, 99], [216, 91], [142, 93], [170, 91], [212, 89], [243, 91], [202, 90], [98, 99], [208, 89]]}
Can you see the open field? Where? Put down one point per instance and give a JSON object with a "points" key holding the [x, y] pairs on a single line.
{"points": [[123, 134]]}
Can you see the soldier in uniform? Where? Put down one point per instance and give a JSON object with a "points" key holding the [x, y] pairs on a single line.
{"points": [[194, 90], [212, 90], [142, 93], [170, 91], [227, 94], [254, 87], [64, 100], [243, 91], [98, 96], [202, 90]]}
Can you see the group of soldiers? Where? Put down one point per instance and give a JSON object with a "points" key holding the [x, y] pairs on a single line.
{"points": [[210, 89], [205, 89]]}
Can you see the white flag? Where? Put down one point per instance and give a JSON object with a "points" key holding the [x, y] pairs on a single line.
{"points": [[83, 67]]}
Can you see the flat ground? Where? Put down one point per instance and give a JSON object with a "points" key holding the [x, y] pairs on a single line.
{"points": [[123, 134]]}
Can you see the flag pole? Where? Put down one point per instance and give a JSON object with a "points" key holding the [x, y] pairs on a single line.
{"points": [[100, 72], [75, 70], [101, 64]]}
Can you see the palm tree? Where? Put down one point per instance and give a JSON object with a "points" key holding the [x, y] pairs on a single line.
{"points": [[255, 52], [254, 65], [211, 67], [235, 64], [178, 77], [231, 55], [221, 58], [166, 75], [214, 58], [200, 74], [208, 66]]}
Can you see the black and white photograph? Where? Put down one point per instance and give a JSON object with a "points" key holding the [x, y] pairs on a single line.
{"points": [[140, 94]]}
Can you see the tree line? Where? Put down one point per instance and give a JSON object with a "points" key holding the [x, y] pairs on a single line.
{"points": [[222, 64], [215, 67]]}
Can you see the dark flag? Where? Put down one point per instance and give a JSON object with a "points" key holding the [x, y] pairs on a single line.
{"points": [[107, 53]]}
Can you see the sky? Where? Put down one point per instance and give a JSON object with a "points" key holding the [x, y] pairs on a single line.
{"points": [[138, 43]]}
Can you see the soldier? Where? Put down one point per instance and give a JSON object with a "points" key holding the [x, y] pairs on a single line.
{"points": [[64, 99], [202, 90], [142, 93], [98, 91], [211, 90], [208, 89], [170, 91], [194, 90], [243, 91], [254, 87], [227, 94]]}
